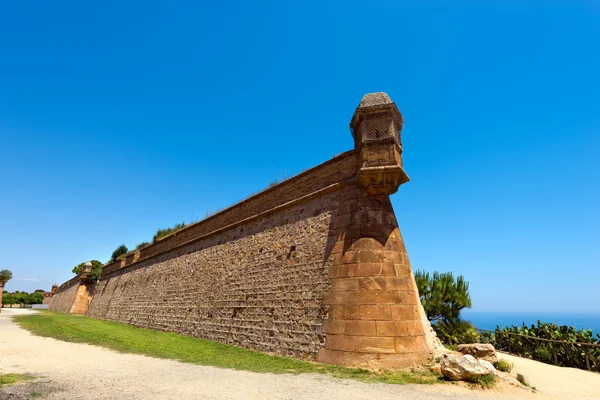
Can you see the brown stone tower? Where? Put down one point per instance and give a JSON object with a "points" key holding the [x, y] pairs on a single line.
{"points": [[375, 317]]}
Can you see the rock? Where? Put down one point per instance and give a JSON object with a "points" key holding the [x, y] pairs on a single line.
{"points": [[436, 369], [480, 351], [461, 368], [488, 365]]}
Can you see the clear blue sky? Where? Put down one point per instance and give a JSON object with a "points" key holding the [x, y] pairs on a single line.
{"points": [[117, 118]]}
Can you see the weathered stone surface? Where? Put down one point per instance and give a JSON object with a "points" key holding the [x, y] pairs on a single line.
{"points": [[263, 285], [480, 351], [488, 365], [63, 299], [460, 368]]}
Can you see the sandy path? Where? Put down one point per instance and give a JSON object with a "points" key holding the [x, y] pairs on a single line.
{"points": [[557, 382], [81, 371]]}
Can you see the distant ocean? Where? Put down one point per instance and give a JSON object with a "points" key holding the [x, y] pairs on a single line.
{"points": [[489, 320]]}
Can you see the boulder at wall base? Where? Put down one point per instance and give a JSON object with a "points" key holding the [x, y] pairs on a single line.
{"points": [[461, 368], [480, 351], [488, 365]]}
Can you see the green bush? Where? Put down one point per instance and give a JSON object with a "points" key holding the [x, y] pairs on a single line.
{"points": [[162, 233], [486, 381], [504, 366], [120, 251], [455, 332], [567, 353], [142, 245]]}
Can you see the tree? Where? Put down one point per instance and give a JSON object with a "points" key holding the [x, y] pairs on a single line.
{"points": [[5, 276], [35, 298], [20, 298], [7, 299], [442, 296], [120, 251], [95, 265]]}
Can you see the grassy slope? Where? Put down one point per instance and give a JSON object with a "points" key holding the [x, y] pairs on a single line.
{"points": [[128, 339]]}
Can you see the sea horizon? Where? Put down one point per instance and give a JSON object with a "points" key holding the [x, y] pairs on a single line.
{"points": [[491, 319]]}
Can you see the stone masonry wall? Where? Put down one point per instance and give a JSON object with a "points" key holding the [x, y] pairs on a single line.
{"points": [[63, 299], [260, 285]]}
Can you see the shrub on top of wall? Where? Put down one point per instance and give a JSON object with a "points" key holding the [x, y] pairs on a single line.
{"points": [[120, 251], [162, 233], [142, 245]]}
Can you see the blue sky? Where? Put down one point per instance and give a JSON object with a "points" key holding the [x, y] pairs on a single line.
{"points": [[118, 118]]}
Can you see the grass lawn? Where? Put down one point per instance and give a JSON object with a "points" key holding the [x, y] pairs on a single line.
{"points": [[128, 339]]}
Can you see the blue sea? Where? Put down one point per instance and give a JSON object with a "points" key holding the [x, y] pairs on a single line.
{"points": [[489, 320]]}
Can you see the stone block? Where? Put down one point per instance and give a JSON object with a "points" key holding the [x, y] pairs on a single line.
{"points": [[376, 344], [405, 312], [343, 284], [352, 312], [348, 206], [335, 327], [402, 360], [376, 312], [341, 342], [360, 328], [410, 344], [359, 270]]}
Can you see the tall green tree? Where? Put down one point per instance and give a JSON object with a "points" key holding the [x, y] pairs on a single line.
{"points": [[7, 299], [35, 298], [443, 297], [92, 276], [78, 269]]}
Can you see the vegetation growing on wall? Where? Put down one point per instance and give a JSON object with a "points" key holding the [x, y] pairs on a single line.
{"points": [[94, 275], [119, 251], [162, 233], [142, 245]]}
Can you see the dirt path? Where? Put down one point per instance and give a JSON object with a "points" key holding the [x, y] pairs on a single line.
{"points": [[80, 371], [557, 382]]}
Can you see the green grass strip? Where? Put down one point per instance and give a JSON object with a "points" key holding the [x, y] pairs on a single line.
{"points": [[129, 339], [9, 379]]}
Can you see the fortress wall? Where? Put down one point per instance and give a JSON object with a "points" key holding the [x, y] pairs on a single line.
{"points": [[314, 267], [340, 168], [64, 297], [260, 285]]}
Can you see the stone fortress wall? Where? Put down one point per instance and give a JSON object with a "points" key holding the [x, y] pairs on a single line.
{"points": [[314, 267]]}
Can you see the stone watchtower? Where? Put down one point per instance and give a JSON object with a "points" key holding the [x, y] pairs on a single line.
{"points": [[376, 127], [375, 315]]}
